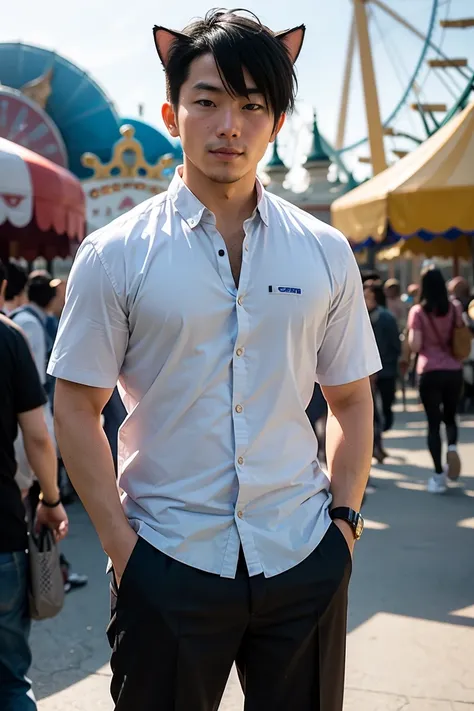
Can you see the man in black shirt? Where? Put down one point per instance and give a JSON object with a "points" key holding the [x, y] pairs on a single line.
{"points": [[21, 403]]}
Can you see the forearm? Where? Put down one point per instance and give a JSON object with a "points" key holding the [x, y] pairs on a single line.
{"points": [[349, 446], [41, 457], [88, 459]]}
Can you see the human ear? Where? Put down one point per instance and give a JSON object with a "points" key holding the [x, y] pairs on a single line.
{"points": [[278, 127], [169, 117]]}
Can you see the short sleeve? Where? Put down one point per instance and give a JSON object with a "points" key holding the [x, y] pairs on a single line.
{"points": [[28, 392], [415, 321], [348, 351], [93, 332]]}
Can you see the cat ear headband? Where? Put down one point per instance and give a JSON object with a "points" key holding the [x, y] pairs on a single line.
{"points": [[164, 38]]}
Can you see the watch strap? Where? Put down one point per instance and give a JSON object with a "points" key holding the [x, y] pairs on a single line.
{"points": [[47, 503]]}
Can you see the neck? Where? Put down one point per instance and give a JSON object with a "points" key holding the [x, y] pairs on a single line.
{"points": [[229, 202]]}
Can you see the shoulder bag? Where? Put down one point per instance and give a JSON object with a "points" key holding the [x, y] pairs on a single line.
{"points": [[461, 338]]}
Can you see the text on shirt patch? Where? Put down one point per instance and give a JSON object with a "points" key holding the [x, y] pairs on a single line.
{"points": [[284, 290]]}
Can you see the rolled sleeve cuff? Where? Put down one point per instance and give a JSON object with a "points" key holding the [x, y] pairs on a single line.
{"points": [[358, 373], [82, 377]]}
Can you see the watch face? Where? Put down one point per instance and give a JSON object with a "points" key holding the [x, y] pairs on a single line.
{"points": [[359, 527]]}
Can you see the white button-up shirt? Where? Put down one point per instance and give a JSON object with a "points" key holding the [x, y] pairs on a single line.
{"points": [[217, 451]]}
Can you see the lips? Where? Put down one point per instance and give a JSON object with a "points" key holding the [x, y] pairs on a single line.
{"points": [[226, 152]]}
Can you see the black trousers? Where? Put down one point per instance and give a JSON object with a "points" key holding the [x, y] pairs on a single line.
{"points": [[176, 631], [387, 388], [440, 393]]}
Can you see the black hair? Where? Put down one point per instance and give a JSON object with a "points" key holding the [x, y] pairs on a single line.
{"points": [[370, 276], [17, 277], [377, 290], [236, 42], [433, 293], [3, 272], [40, 291]]}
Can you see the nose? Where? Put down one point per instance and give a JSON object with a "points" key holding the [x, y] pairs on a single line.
{"points": [[229, 123]]}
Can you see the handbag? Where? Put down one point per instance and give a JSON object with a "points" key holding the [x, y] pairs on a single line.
{"points": [[46, 590], [461, 339]]}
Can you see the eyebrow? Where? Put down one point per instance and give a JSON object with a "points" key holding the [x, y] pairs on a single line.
{"points": [[204, 86]]}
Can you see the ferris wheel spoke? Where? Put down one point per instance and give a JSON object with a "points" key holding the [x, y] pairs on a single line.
{"points": [[346, 84], [402, 21]]}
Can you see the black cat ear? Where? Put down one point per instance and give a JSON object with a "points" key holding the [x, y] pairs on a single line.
{"points": [[164, 39], [293, 40]]}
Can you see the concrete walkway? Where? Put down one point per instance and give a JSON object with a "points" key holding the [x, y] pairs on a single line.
{"points": [[411, 620]]}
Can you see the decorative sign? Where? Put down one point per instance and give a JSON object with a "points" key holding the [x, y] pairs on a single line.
{"points": [[125, 181], [24, 122], [107, 199]]}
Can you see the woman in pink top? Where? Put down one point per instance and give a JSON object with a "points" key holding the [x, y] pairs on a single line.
{"points": [[431, 325]]}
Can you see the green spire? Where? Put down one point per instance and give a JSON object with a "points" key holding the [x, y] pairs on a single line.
{"points": [[317, 153], [275, 161]]}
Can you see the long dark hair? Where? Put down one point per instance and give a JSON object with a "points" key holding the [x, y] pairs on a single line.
{"points": [[433, 294]]}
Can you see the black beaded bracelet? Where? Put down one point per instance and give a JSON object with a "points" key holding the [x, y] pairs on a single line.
{"points": [[47, 504]]}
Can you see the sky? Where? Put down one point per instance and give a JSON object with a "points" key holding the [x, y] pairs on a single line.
{"points": [[112, 40]]}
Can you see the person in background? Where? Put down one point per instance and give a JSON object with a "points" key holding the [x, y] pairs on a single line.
{"points": [[394, 302], [388, 341], [16, 281], [459, 290], [21, 406], [32, 318], [431, 324]]}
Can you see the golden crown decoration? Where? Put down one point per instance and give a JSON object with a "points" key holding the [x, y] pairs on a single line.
{"points": [[128, 160]]}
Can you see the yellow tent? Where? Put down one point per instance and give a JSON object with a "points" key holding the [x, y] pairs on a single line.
{"points": [[429, 191], [438, 247]]}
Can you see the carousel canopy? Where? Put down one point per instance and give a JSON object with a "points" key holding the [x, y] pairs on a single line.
{"points": [[37, 197], [429, 193]]}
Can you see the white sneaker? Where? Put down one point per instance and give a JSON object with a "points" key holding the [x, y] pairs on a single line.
{"points": [[437, 484], [453, 464]]}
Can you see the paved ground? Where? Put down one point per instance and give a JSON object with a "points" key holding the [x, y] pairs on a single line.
{"points": [[411, 621]]}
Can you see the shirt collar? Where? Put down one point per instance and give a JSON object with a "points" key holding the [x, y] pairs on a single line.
{"points": [[192, 210]]}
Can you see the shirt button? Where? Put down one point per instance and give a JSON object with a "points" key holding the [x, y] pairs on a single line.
{"points": [[239, 352], [192, 222], [239, 408], [246, 248], [240, 300], [221, 253], [240, 460], [240, 514]]}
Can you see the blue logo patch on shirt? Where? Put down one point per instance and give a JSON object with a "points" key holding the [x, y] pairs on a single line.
{"points": [[284, 290]]}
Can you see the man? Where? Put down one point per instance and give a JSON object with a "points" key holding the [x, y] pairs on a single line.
{"points": [[459, 290], [21, 404], [42, 300], [218, 305], [15, 294], [32, 318], [394, 302], [389, 345]]}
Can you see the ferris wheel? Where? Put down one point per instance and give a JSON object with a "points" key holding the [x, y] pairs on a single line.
{"points": [[409, 67]]}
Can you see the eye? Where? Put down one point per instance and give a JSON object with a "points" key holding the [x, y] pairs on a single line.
{"points": [[253, 107], [205, 102]]}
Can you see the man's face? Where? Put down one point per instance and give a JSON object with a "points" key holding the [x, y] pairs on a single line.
{"points": [[222, 136], [370, 299], [57, 305]]}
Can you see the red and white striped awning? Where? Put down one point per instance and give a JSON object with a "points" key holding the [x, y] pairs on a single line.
{"points": [[36, 193]]}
